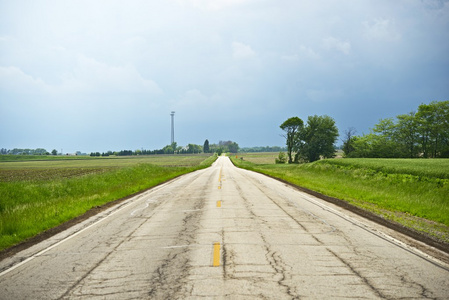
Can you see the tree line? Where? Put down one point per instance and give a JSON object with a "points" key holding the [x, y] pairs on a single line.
{"points": [[221, 147], [18, 151], [424, 133]]}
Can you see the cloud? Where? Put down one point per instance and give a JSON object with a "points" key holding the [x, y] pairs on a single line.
{"points": [[13, 79], [89, 75], [324, 95], [214, 5], [290, 58], [94, 75], [331, 43], [304, 53], [196, 102], [380, 29], [434, 4], [242, 51]]}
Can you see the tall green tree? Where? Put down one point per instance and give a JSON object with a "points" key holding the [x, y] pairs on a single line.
{"points": [[317, 138], [292, 127], [206, 146], [406, 134], [433, 128]]}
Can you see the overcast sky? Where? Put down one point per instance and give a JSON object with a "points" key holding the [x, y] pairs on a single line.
{"points": [[105, 75]]}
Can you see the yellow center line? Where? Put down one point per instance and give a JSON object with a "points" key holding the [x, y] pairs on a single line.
{"points": [[216, 261]]}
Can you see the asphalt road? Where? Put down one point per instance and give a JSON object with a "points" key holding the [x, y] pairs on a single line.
{"points": [[223, 233]]}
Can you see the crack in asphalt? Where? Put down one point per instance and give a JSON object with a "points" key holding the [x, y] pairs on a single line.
{"points": [[353, 270], [272, 257], [170, 278]]}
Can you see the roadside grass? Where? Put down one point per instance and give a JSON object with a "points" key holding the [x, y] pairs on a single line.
{"points": [[34, 198], [412, 192]]}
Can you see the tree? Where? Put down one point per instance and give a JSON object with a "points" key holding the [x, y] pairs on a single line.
{"points": [[291, 127], [424, 133], [206, 146], [168, 149], [317, 138], [281, 159], [233, 147], [192, 148], [54, 152], [348, 141], [433, 124], [406, 133]]}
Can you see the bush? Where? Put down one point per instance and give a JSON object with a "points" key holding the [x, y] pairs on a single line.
{"points": [[282, 158]]}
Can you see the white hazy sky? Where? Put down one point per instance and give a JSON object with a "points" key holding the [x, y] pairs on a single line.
{"points": [[104, 75]]}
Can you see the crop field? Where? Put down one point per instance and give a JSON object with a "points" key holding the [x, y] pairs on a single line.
{"points": [[36, 195], [259, 157], [412, 192]]}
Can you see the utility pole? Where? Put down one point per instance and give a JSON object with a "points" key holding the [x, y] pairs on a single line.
{"points": [[172, 127]]}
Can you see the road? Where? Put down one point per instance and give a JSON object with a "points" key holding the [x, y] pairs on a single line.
{"points": [[223, 233]]}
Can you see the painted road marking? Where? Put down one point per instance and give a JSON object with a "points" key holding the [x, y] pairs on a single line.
{"points": [[216, 261], [219, 203]]}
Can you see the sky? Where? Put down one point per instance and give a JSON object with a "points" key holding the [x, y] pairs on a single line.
{"points": [[105, 75]]}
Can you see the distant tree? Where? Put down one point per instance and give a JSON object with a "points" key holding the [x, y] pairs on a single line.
{"points": [[40, 151], [233, 147], [174, 146], [54, 152], [192, 148], [168, 149], [226, 146], [348, 141], [291, 128], [206, 146]]}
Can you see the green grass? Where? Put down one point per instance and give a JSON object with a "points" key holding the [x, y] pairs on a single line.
{"points": [[412, 192], [38, 195]]}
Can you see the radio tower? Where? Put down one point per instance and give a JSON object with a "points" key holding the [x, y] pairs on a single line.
{"points": [[172, 127]]}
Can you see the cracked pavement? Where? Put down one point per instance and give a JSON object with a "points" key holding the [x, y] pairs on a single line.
{"points": [[275, 243]]}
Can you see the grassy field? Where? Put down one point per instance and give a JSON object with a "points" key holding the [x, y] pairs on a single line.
{"points": [[36, 195], [412, 192]]}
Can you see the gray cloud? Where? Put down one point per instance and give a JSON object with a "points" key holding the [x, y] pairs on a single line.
{"points": [[230, 69]]}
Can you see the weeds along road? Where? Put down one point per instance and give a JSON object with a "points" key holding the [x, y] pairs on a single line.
{"points": [[222, 232]]}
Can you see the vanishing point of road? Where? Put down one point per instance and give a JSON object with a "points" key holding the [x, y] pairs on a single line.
{"points": [[223, 233]]}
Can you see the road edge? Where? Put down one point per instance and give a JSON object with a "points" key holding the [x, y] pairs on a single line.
{"points": [[8, 252], [419, 236]]}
